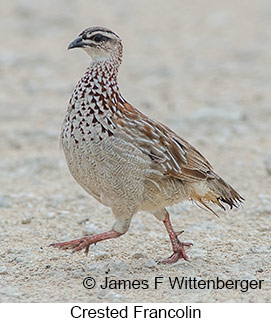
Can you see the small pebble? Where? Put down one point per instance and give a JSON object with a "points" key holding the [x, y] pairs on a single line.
{"points": [[91, 267], [26, 220], [260, 270], [51, 215], [83, 220], [54, 258], [77, 274], [260, 249], [101, 294], [3, 270], [114, 297], [19, 259], [139, 255], [150, 263]]}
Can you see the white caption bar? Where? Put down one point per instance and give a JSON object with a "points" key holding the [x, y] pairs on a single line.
{"points": [[103, 312]]}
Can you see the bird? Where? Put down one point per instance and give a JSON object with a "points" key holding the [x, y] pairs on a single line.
{"points": [[127, 160]]}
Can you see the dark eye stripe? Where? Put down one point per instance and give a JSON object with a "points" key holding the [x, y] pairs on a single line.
{"points": [[99, 38]]}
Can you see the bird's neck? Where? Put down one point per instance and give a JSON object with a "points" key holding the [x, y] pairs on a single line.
{"points": [[102, 77]]}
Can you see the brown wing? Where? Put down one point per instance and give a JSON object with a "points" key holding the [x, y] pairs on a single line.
{"points": [[173, 156], [170, 154]]}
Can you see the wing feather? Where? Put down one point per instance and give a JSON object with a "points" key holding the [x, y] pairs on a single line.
{"points": [[169, 153]]}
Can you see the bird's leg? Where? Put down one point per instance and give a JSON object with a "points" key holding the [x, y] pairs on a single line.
{"points": [[177, 246], [85, 242]]}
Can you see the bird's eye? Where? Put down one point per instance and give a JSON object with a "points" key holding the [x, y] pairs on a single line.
{"points": [[97, 38]]}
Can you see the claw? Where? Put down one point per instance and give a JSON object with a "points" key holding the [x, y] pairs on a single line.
{"points": [[179, 232], [178, 253], [87, 249]]}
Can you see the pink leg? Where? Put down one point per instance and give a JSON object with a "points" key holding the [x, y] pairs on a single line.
{"points": [[85, 242], [177, 246]]}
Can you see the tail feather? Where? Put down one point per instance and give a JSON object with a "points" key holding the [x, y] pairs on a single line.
{"points": [[219, 192], [227, 193]]}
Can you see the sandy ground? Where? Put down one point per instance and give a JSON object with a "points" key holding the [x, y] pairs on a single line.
{"points": [[201, 67]]}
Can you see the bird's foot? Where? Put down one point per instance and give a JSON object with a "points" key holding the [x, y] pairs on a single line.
{"points": [[178, 253], [75, 245], [177, 245], [85, 242]]}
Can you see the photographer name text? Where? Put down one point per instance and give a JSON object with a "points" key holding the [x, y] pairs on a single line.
{"points": [[182, 283]]}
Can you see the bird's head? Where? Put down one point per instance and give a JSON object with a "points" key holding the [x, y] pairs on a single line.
{"points": [[100, 43]]}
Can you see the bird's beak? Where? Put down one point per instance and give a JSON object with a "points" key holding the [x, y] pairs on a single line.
{"points": [[78, 42]]}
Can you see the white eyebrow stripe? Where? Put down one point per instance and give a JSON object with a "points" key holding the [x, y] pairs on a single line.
{"points": [[106, 33]]}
